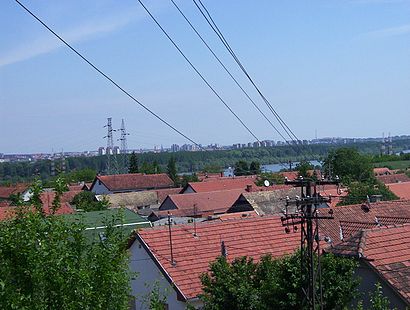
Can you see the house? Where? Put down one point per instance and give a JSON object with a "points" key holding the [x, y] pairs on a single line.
{"points": [[203, 204], [348, 220], [384, 257], [48, 196], [393, 178], [132, 182], [401, 190], [219, 185], [20, 188], [177, 275], [139, 202], [95, 222]]}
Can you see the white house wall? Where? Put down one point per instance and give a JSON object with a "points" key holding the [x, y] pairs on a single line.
{"points": [[148, 276]]}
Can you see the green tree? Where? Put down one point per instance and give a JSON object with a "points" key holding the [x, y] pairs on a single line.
{"points": [[60, 187], [133, 168], [378, 301], [273, 178], [172, 170], [303, 168], [49, 263], [155, 167], [241, 168], [360, 191], [349, 165], [86, 201], [186, 178], [275, 283], [255, 167]]}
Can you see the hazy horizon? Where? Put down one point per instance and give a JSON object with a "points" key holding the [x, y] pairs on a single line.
{"points": [[341, 68]]}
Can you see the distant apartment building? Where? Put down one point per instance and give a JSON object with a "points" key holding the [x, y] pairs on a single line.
{"points": [[175, 147]]}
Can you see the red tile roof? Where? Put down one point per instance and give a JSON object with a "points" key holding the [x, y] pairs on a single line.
{"points": [[390, 211], [385, 249], [290, 175], [254, 236], [222, 184], [9, 212], [6, 191], [48, 197], [206, 203], [393, 178], [401, 190], [135, 181], [163, 193]]}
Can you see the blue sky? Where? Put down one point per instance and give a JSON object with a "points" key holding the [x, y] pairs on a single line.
{"points": [[341, 67]]}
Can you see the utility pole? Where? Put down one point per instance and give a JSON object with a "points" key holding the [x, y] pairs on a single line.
{"points": [[307, 215]]}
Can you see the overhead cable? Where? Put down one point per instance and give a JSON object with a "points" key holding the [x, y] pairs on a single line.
{"points": [[107, 77]]}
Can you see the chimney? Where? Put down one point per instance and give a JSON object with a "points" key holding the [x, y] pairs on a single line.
{"points": [[222, 174], [249, 187]]}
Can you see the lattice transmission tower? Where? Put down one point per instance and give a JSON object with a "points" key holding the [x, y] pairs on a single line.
{"points": [[124, 148], [112, 164]]}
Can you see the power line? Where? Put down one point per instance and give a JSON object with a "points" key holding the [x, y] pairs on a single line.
{"points": [[225, 68], [218, 32], [197, 71], [106, 76]]}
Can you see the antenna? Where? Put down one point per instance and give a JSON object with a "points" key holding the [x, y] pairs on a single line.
{"points": [[224, 251], [170, 239], [195, 211]]}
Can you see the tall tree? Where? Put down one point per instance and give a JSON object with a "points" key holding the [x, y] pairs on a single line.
{"points": [[172, 170], [349, 165], [255, 167], [303, 168], [48, 262], [241, 168], [133, 168], [275, 283]]}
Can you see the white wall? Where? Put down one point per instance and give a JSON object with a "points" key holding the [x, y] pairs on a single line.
{"points": [[148, 275]]}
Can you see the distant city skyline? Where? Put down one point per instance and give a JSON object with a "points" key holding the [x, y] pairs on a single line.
{"points": [[338, 68]]}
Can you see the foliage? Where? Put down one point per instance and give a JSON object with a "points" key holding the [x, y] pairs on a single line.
{"points": [[186, 178], [27, 171], [48, 263], [349, 165], [172, 170], [360, 191], [60, 187], [242, 168], [212, 169], [378, 301], [133, 167], [255, 167], [303, 168], [273, 178], [275, 283], [86, 201], [157, 300]]}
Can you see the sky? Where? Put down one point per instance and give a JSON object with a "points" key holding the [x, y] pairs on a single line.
{"points": [[338, 68]]}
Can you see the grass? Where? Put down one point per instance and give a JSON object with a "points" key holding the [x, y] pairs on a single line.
{"points": [[399, 164]]}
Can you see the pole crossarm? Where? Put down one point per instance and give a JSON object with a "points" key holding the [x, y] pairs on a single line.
{"points": [[306, 215]]}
